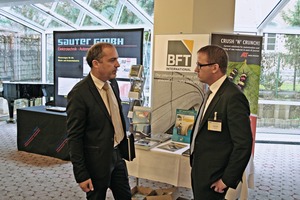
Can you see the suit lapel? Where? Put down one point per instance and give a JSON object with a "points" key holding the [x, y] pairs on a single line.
{"points": [[213, 103], [115, 88], [97, 96]]}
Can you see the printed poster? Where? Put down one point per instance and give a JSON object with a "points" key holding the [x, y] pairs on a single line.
{"points": [[183, 125], [244, 53], [175, 85]]}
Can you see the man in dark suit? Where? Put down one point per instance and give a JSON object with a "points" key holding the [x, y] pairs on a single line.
{"points": [[221, 140], [96, 154]]}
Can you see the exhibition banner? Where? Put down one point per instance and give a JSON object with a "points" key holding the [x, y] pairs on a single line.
{"points": [[244, 53], [70, 48], [175, 85]]}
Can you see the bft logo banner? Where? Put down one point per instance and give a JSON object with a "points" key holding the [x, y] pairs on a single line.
{"points": [[180, 53]]}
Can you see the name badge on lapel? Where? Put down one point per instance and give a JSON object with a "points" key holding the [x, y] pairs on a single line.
{"points": [[214, 124]]}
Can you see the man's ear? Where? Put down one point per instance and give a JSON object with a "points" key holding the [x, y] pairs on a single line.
{"points": [[95, 63], [216, 68]]}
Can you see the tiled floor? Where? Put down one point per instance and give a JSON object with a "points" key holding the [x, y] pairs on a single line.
{"points": [[27, 176]]}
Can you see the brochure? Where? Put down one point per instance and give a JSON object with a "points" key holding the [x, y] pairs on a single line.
{"points": [[183, 125]]}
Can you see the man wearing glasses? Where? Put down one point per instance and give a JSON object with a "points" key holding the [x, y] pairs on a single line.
{"points": [[221, 140]]}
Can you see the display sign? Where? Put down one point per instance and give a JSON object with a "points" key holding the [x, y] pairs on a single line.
{"points": [[70, 49], [177, 53], [175, 84], [244, 52]]}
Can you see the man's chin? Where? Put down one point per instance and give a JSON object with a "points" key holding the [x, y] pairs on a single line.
{"points": [[113, 75]]}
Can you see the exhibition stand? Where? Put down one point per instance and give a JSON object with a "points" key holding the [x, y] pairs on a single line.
{"points": [[173, 168], [162, 166], [42, 132]]}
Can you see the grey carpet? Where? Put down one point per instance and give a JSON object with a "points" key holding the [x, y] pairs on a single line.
{"points": [[27, 176]]}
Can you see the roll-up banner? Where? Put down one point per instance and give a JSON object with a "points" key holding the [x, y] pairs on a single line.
{"points": [[175, 85], [244, 67]]}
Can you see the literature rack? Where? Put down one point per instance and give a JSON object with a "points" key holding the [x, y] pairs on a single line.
{"points": [[135, 94], [136, 71], [141, 120], [140, 127]]}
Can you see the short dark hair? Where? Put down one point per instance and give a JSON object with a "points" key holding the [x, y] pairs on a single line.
{"points": [[95, 52], [216, 54]]}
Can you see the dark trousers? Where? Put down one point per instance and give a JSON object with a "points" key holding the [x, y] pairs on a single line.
{"points": [[201, 186], [208, 194], [119, 182]]}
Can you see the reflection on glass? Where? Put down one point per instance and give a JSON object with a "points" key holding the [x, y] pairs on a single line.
{"points": [[105, 7], [48, 5], [128, 17], [30, 13], [68, 11], [146, 5], [88, 21]]}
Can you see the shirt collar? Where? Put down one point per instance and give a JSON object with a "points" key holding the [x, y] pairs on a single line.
{"points": [[98, 82], [216, 85]]}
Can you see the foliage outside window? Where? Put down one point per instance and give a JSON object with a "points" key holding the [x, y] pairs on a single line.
{"points": [[20, 52], [280, 67]]}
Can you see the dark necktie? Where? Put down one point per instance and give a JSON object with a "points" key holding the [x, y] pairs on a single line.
{"points": [[199, 119], [115, 113]]}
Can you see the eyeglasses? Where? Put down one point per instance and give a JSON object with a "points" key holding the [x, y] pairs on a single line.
{"points": [[199, 65]]}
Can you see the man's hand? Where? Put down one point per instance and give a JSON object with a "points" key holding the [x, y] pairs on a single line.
{"points": [[218, 186], [87, 185]]}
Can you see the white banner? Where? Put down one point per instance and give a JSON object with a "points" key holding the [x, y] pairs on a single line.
{"points": [[178, 53], [175, 84]]}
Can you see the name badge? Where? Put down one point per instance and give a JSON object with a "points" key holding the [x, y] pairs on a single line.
{"points": [[214, 124]]}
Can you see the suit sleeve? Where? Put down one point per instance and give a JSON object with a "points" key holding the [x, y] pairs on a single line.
{"points": [[240, 132], [76, 113]]}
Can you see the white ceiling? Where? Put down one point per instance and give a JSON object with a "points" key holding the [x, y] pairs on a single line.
{"points": [[85, 9], [251, 16], [5, 3]]}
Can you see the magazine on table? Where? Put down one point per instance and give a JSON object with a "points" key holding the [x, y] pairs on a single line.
{"points": [[186, 152], [183, 125], [172, 146], [146, 143]]}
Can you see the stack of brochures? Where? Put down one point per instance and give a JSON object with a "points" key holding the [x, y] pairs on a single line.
{"points": [[155, 139]]}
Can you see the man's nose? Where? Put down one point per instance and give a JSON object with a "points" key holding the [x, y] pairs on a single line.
{"points": [[117, 64]]}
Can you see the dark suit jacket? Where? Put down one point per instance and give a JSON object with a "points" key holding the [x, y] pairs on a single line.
{"points": [[91, 132], [224, 154]]}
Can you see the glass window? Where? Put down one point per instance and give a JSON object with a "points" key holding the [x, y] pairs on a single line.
{"points": [[271, 41], [146, 5], [49, 57], [89, 21], [20, 52], [129, 17], [105, 7], [68, 11], [30, 13], [48, 5], [54, 24]]}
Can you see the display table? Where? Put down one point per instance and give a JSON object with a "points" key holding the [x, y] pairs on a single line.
{"points": [[163, 166], [173, 168], [42, 132]]}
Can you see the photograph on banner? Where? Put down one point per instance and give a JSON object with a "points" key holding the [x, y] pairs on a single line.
{"points": [[244, 53], [175, 84], [125, 66]]}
